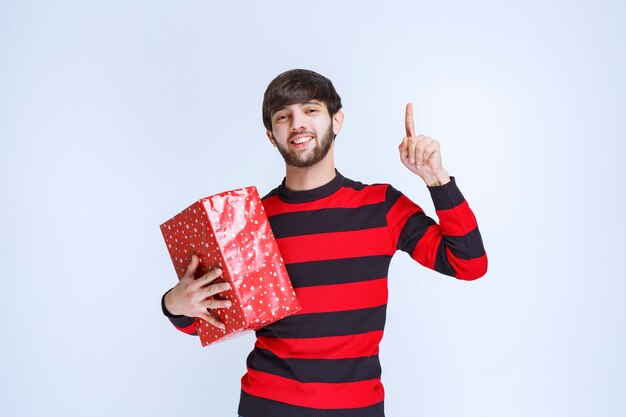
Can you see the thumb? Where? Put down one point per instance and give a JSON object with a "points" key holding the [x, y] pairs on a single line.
{"points": [[403, 148]]}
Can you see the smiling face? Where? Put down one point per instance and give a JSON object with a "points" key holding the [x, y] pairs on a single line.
{"points": [[304, 132]]}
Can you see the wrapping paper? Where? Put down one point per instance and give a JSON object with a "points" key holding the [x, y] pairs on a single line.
{"points": [[230, 230]]}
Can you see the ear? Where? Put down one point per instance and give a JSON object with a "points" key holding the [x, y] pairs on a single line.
{"points": [[338, 121], [270, 137]]}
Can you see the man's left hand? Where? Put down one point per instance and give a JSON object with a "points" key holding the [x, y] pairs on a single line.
{"points": [[421, 154]]}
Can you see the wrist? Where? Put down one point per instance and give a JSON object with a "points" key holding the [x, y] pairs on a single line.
{"points": [[167, 304], [436, 179]]}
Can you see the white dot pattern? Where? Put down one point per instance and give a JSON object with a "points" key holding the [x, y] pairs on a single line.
{"points": [[230, 230]]}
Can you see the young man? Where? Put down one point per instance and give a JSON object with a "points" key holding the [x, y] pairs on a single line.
{"points": [[337, 237]]}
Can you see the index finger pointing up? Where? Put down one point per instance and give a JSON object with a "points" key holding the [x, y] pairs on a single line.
{"points": [[408, 121]]}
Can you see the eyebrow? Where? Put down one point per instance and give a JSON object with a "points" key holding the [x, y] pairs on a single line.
{"points": [[313, 102]]}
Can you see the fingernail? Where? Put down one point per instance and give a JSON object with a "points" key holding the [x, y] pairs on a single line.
{"points": [[219, 271], [228, 303]]}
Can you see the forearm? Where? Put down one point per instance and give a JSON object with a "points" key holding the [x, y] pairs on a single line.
{"points": [[460, 242]]}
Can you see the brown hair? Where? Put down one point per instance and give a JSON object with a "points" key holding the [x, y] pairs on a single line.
{"points": [[298, 86]]}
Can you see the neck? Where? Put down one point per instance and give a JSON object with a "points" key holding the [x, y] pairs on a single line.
{"points": [[302, 179]]}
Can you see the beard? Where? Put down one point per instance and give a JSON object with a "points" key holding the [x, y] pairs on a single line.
{"points": [[313, 156]]}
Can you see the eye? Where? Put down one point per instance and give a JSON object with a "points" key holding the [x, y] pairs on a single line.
{"points": [[309, 111]]}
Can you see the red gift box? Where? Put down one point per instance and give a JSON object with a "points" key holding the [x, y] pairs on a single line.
{"points": [[230, 230]]}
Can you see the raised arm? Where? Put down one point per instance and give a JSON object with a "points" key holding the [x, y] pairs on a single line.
{"points": [[454, 246]]}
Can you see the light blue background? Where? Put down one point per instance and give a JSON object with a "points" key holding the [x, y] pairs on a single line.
{"points": [[116, 115]]}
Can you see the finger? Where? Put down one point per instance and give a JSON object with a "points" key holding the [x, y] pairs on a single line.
{"points": [[412, 149], [209, 277], [211, 290], [208, 317], [408, 121], [213, 303], [418, 155], [192, 266], [431, 150], [422, 142]]}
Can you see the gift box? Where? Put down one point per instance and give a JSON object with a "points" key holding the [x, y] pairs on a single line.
{"points": [[230, 230]]}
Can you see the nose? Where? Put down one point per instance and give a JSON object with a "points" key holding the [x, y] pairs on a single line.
{"points": [[298, 121]]}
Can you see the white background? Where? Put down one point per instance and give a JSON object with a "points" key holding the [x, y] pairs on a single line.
{"points": [[116, 115]]}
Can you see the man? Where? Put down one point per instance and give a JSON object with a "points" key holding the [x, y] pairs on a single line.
{"points": [[337, 237]]}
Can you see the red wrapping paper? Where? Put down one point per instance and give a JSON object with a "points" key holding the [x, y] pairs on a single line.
{"points": [[230, 230]]}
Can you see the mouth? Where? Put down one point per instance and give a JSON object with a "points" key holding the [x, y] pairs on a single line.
{"points": [[301, 140]]}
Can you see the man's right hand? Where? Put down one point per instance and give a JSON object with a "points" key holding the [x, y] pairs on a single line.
{"points": [[193, 297]]}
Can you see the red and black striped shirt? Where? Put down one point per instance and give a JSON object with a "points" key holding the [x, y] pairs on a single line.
{"points": [[337, 242]]}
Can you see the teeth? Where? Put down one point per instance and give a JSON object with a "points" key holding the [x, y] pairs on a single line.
{"points": [[302, 140]]}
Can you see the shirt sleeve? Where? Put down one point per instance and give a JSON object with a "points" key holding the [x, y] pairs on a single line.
{"points": [[183, 323], [453, 247]]}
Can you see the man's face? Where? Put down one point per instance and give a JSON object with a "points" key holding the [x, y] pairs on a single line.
{"points": [[303, 132]]}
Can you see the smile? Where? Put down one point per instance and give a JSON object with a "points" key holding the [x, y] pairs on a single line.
{"points": [[301, 140]]}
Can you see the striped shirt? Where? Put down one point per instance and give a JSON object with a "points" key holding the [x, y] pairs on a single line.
{"points": [[337, 242]]}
